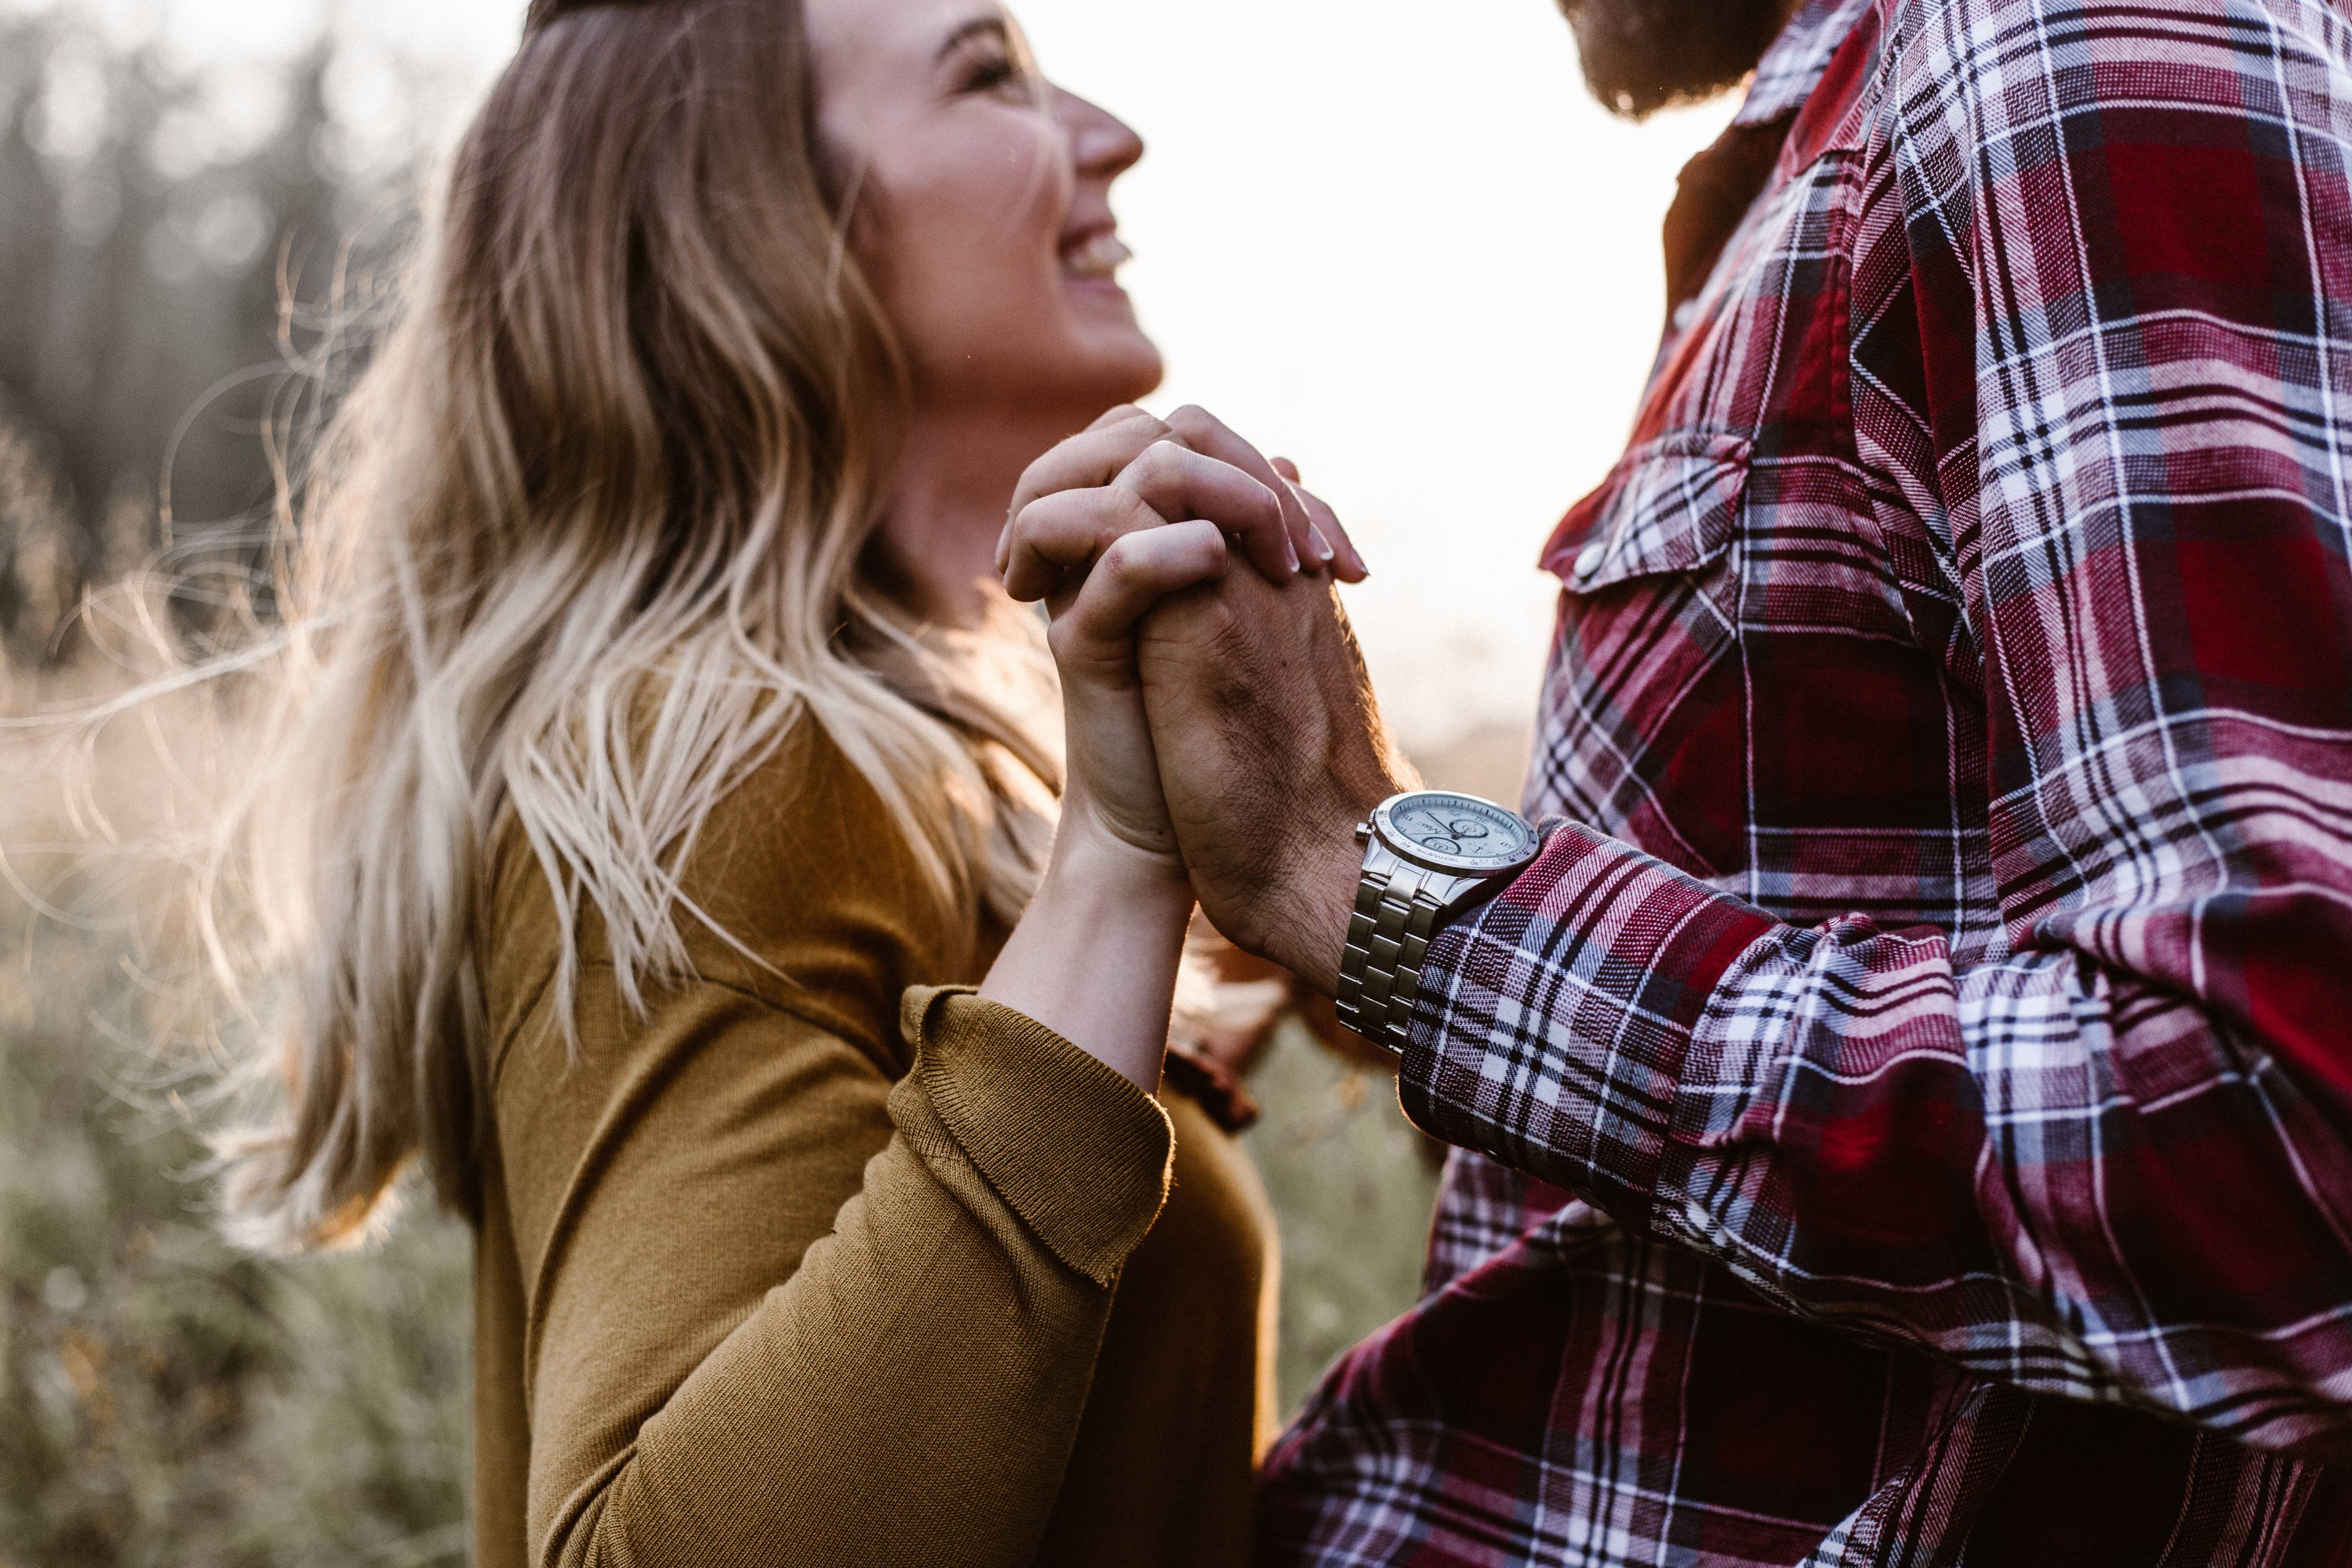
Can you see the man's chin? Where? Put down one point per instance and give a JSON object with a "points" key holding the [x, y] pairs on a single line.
{"points": [[1642, 56]]}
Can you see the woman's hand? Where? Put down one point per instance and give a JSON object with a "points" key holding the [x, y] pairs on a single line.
{"points": [[1104, 527]]}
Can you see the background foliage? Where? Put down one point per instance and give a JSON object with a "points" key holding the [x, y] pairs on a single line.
{"points": [[163, 1399]]}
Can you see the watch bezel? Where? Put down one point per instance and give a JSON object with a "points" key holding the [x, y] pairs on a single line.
{"points": [[1481, 867]]}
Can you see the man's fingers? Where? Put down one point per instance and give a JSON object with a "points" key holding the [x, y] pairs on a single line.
{"points": [[1204, 432], [1136, 573], [1084, 462]]}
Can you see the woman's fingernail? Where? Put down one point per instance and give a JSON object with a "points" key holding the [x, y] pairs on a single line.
{"points": [[1323, 551], [1290, 552]]}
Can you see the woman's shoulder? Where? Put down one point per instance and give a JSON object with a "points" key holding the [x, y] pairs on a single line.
{"points": [[800, 888]]}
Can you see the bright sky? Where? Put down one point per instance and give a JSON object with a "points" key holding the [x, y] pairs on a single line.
{"points": [[1400, 243], [1395, 241]]}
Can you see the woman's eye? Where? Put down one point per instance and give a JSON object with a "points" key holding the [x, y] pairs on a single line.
{"points": [[994, 75]]}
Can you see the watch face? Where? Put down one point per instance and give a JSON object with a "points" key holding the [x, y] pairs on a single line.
{"points": [[1457, 832]]}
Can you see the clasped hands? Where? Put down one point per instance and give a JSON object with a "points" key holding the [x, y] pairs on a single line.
{"points": [[1222, 728]]}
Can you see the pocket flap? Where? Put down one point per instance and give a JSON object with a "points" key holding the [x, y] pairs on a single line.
{"points": [[1670, 505]]}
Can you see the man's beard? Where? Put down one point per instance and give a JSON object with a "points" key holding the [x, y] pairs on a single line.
{"points": [[1642, 55]]}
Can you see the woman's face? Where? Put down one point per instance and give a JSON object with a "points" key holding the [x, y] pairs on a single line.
{"points": [[983, 205]]}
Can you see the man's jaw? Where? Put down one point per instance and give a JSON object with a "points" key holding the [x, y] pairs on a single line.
{"points": [[1642, 56]]}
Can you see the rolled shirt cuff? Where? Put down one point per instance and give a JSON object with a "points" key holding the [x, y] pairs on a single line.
{"points": [[1552, 1024]]}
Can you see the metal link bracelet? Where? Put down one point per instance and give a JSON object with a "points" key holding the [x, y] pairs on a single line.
{"points": [[1388, 939]]}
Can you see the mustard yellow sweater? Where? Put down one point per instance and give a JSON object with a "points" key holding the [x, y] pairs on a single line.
{"points": [[815, 1265]]}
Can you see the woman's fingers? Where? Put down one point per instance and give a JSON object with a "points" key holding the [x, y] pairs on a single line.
{"points": [[1167, 483], [1182, 483], [1084, 462], [1061, 533], [1137, 471], [1135, 573], [1204, 432], [1323, 551], [1118, 415]]}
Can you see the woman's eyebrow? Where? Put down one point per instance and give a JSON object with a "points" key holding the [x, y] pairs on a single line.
{"points": [[971, 29]]}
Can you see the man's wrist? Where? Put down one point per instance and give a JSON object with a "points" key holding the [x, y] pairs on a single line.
{"points": [[1322, 893]]}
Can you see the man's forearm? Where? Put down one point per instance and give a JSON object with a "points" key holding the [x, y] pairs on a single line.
{"points": [[1868, 1133]]}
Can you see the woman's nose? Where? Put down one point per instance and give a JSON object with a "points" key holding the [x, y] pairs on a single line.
{"points": [[1104, 146]]}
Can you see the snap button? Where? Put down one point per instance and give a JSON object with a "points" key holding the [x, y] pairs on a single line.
{"points": [[1588, 560]]}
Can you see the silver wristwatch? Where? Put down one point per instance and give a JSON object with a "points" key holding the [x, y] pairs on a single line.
{"points": [[1428, 855]]}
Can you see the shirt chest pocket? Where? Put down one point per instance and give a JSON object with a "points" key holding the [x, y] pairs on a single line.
{"points": [[1645, 737], [1670, 505], [1728, 381]]}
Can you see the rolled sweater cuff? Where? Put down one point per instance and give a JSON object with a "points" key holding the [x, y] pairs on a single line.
{"points": [[1081, 1154]]}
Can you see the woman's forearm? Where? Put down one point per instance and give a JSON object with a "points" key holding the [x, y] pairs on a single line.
{"points": [[1094, 958], [936, 1340]]}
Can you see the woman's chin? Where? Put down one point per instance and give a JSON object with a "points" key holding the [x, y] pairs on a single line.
{"points": [[1144, 375], [1127, 364], [1103, 378]]}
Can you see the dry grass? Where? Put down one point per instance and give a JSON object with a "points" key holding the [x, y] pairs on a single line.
{"points": [[173, 1402], [170, 1401]]}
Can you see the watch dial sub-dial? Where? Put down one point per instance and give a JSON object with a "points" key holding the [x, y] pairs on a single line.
{"points": [[1459, 828]]}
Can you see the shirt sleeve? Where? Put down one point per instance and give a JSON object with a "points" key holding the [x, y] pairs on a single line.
{"points": [[781, 1310], [2113, 1163]]}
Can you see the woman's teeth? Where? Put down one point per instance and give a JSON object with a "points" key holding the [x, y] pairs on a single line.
{"points": [[1100, 255]]}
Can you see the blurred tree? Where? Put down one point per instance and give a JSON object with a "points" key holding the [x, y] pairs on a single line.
{"points": [[147, 219], [163, 1399]]}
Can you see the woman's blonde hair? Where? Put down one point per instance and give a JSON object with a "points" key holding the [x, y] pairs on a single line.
{"points": [[593, 530]]}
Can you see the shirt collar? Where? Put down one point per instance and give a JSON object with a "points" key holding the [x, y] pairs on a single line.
{"points": [[1792, 68]]}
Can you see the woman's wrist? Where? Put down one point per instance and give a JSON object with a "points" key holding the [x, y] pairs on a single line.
{"points": [[1089, 854], [1094, 958]]}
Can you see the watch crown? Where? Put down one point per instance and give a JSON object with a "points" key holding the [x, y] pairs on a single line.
{"points": [[1363, 833]]}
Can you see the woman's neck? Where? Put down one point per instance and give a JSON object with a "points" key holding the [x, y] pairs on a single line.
{"points": [[956, 477]]}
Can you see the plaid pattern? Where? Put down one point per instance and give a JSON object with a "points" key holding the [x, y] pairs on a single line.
{"points": [[1943, 1014]]}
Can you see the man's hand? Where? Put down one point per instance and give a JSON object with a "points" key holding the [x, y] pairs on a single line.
{"points": [[1271, 751]]}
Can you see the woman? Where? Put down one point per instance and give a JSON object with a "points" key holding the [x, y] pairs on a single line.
{"points": [[659, 741]]}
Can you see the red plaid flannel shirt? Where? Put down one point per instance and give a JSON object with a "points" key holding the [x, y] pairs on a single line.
{"points": [[1910, 1106]]}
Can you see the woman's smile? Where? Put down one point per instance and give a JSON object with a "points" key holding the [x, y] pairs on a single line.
{"points": [[1092, 257]]}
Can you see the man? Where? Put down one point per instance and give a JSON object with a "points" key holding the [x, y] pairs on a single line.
{"points": [[1901, 1115]]}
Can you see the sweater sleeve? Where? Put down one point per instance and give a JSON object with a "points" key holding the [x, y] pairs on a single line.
{"points": [[781, 1310]]}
